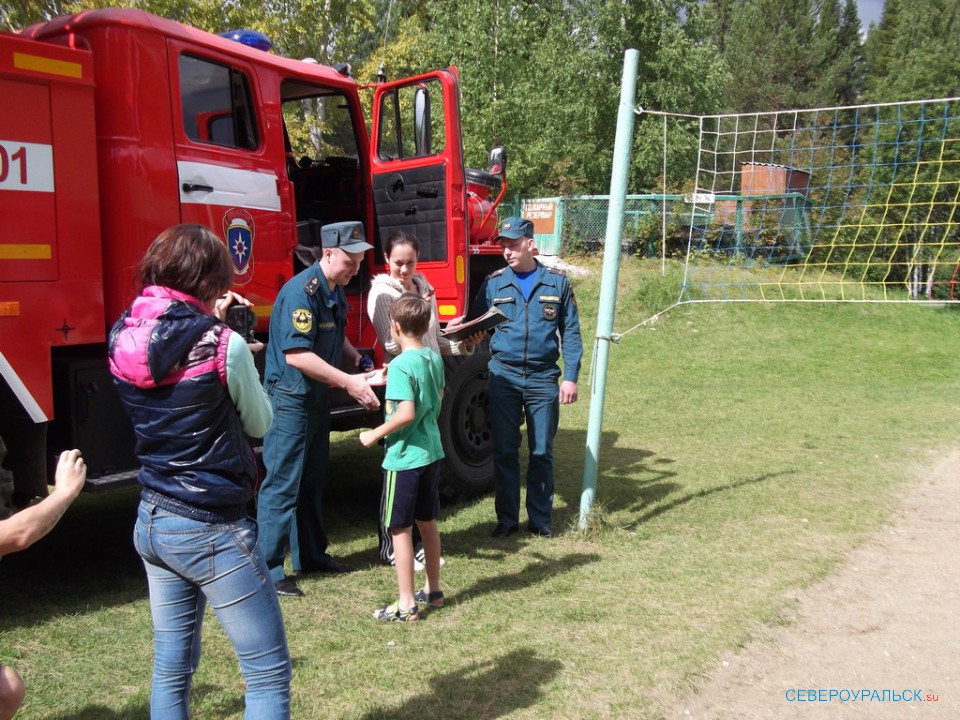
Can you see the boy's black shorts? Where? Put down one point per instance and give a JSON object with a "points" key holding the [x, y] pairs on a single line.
{"points": [[410, 495]]}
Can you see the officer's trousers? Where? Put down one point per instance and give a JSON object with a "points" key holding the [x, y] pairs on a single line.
{"points": [[296, 452], [536, 397]]}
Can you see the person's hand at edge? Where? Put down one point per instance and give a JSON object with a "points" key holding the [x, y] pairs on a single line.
{"points": [[71, 474]]}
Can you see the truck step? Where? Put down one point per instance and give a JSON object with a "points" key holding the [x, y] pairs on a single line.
{"points": [[111, 481]]}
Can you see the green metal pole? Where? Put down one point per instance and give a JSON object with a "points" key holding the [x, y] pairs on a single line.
{"points": [[623, 144], [739, 226]]}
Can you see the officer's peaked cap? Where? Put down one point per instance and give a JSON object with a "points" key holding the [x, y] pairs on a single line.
{"points": [[348, 236], [514, 228]]}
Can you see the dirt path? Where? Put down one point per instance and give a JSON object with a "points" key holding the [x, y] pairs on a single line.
{"points": [[889, 619]]}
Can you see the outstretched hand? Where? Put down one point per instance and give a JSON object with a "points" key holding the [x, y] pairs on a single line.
{"points": [[359, 389], [71, 473]]}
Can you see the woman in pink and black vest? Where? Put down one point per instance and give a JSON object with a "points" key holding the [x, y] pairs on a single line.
{"points": [[192, 392]]}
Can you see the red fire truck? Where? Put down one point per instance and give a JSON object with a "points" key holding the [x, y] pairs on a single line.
{"points": [[116, 124]]}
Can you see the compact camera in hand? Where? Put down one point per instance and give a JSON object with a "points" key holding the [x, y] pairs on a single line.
{"points": [[242, 320]]}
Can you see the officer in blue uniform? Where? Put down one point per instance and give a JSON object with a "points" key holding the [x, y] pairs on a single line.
{"points": [[542, 324], [306, 348]]}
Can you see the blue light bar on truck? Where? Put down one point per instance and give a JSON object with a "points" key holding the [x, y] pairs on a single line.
{"points": [[251, 38]]}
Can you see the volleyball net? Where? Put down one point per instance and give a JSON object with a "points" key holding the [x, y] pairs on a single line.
{"points": [[830, 204]]}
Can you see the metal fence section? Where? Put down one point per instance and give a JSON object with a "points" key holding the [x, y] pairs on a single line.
{"points": [[576, 225]]}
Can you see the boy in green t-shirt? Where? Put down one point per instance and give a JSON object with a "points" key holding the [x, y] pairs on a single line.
{"points": [[411, 467]]}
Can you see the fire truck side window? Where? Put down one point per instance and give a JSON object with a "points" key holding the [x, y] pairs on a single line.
{"points": [[320, 127], [217, 104], [412, 121], [323, 156]]}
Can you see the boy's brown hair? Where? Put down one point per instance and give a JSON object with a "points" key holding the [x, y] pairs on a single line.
{"points": [[412, 313]]}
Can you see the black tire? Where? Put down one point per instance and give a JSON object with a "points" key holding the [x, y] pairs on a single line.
{"points": [[467, 469], [6, 485]]}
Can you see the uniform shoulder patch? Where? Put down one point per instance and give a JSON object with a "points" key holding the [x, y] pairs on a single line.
{"points": [[495, 273], [313, 284], [302, 320], [557, 271]]}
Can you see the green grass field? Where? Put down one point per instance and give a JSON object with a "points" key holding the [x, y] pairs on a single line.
{"points": [[746, 449]]}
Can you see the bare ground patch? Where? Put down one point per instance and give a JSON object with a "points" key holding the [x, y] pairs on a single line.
{"points": [[888, 619]]}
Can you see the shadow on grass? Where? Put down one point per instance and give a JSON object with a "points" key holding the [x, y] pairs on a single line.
{"points": [[214, 703], [206, 695], [482, 691], [634, 481], [629, 478], [87, 562], [99, 712], [706, 492], [540, 569]]}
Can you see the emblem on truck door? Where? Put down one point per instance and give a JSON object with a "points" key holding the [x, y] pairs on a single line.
{"points": [[238, 230]]}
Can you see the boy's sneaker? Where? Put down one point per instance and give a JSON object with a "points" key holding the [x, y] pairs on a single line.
{"points": [[393, 613], [420, 560]]}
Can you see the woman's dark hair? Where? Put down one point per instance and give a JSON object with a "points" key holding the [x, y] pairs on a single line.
{"points": [[412, 313], [188, 258], [400, 237]]}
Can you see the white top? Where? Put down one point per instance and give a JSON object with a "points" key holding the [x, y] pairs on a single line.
{"points": [[384, 292]]}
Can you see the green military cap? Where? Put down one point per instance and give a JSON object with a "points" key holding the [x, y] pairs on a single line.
{"points": [[514, 228], [348, 236]]}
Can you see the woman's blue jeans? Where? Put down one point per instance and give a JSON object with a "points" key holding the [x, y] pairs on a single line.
{"points": [[190, 563]]}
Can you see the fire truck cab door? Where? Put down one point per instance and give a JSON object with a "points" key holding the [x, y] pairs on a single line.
{"points": [[418, 178], [227, 173]]}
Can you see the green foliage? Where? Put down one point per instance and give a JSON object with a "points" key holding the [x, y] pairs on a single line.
{"points": [[656, 290], [543, 79], [327, 30], [20, 13], [850, 56], [785, 54], [914, 53], [719, 16]]}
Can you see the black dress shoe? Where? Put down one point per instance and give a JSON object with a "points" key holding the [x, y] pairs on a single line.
{"points": [[503, 530], [288, 588], [542, 531], [330, 566]]}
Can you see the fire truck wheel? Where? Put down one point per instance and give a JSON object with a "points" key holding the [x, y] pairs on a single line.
{"points": [[6, 485], [465, 421]]}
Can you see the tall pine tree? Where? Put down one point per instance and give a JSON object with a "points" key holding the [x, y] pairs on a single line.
{"points": [[915, 51], [785, 54], [768, 55]]}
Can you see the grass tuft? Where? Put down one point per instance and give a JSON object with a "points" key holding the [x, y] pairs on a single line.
{"points": [[599, 524]]}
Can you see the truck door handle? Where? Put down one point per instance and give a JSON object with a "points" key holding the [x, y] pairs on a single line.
{"points": [[195, 187], [427, 192]]}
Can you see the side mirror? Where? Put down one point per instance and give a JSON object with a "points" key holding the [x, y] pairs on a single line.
{"points": [[497, 162], [422, 131]]}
